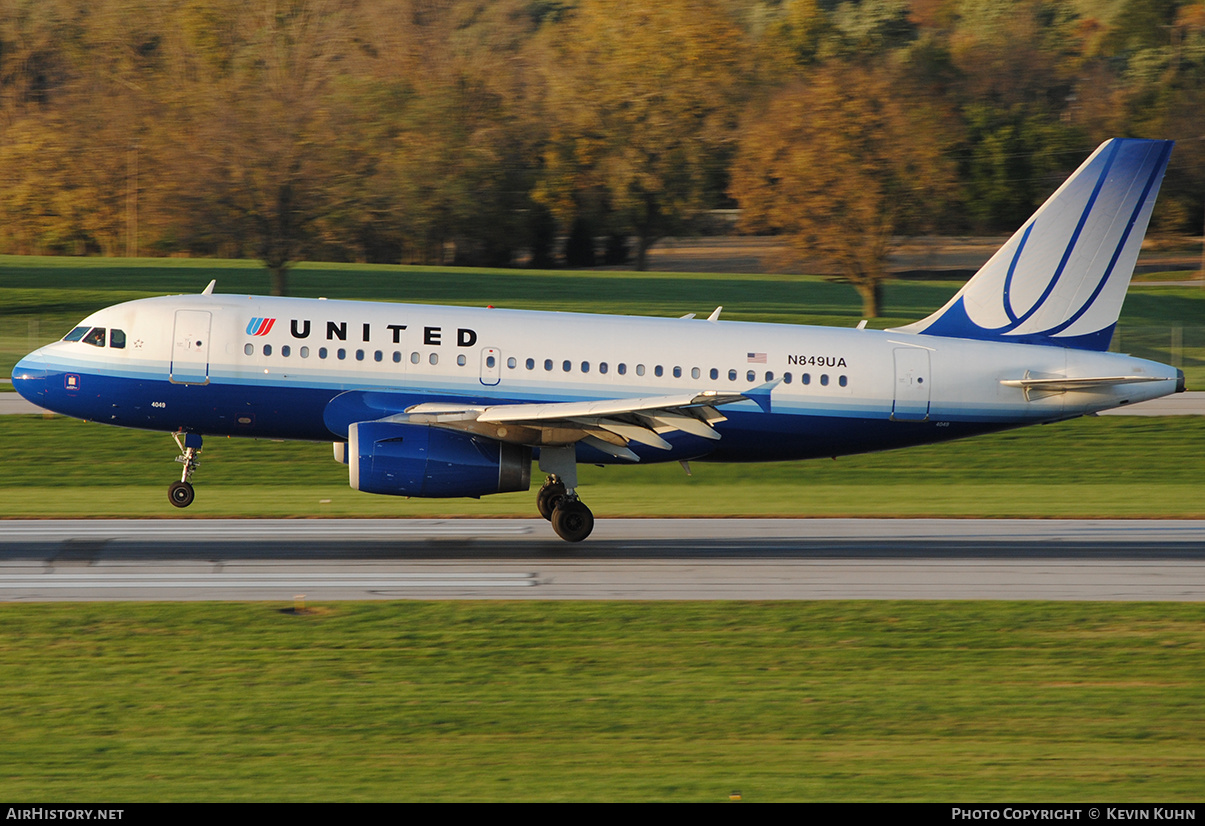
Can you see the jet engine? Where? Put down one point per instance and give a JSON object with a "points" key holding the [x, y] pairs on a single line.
{"points": [[419, 460]]}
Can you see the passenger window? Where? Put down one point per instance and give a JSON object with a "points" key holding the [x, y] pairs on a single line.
{"points": [[341, 354], [658, 371], [397, 357], [378, 356], [321, 352], [731, 375], [786, 378], [622, 369], [117, 339], [461, 360], [285, 350], [531, 364], [359, 355], [769, 376], [548, 364], [602, 367], [677, 372], [695, 373], [843, 381], [824, 380], [268, 350], [434, 359], [585, 367], [248, 349], [751, 376], [96, 337], [715, 374], [414, 358], [806, 378], [511, 363], [490, 361], [76, 334], [640, 369], [566, 366], [305, 352]]}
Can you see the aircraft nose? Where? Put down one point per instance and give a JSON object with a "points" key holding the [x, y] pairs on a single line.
{"points": [[29, 378]]}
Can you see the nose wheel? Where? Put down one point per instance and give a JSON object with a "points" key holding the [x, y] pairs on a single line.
{"points": [[181, 493]]}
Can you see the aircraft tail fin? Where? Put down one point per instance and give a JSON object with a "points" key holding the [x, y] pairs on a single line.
{"points": [[1061, 279]]}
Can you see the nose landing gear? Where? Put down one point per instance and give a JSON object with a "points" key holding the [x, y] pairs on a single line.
{"points": [[181, 493]]}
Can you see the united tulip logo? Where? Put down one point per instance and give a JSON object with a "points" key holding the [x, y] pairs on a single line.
{"points": [[260, 326]]}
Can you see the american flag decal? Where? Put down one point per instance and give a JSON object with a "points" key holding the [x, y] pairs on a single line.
{"points": [[756, 358]]}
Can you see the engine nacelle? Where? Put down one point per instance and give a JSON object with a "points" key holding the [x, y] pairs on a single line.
{"points": [[418, 460]]}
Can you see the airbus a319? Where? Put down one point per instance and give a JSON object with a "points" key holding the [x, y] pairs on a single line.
{"points": [[442, 401]]}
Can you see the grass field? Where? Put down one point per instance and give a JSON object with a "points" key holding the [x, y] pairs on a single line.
{"points": [[954, 701], [1092, 467]]}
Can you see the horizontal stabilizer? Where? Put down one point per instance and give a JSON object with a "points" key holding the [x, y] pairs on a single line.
{"points": [[1066, 385]]}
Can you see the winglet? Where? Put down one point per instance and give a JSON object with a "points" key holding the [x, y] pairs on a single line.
{"points": [[760, 395], [209, 290]]}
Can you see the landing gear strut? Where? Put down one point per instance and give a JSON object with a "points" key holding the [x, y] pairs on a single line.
{"points": [[557, 499], [181, 493]]}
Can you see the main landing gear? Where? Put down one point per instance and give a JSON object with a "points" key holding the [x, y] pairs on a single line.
{"points": [[570, 518], [557, 499], [181, 493]]}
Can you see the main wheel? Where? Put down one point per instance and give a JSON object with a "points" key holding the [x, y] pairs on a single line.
{"points": [[548, 498], [572, 520], [180, 494]]}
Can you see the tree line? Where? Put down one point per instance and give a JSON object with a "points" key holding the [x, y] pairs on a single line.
{"points": [[571, 132]]}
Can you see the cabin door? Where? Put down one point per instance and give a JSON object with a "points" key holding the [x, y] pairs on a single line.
{"points": [[911, 385], [491, 366], [190, 347]]}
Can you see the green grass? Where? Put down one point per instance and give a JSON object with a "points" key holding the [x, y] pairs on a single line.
{"points": [[1091, 467], [992, 702], [41, 298]]}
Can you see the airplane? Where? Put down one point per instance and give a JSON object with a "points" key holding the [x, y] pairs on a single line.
{"points": [[445, 401]]}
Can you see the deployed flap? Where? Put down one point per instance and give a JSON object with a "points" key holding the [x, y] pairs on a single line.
{"points": [[614, 422]]}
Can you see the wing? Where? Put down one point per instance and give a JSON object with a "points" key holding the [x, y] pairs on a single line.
{"points": [[609, 425]]}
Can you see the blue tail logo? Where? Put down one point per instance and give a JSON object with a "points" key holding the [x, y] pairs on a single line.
{"points": [[1062, 278]]}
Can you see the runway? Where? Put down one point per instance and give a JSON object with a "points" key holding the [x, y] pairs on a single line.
{"points": [[638, 559]]}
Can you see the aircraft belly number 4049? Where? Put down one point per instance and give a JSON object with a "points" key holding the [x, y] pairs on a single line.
{"points": [[454, 401]]}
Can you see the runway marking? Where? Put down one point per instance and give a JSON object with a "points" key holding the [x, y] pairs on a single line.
{"points": [[179, 529], [410, 580]]}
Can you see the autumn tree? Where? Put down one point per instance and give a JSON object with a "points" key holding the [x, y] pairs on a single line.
{"points": [[839, 164], [641, 103], [460, 134], [256, 122]]}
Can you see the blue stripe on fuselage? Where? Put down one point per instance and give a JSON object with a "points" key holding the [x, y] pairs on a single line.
{"points": [[295, 412]]}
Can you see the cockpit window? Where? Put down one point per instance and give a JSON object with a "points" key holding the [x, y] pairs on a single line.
{"points": [[95, 337], [117, 339], [76, 334]]}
